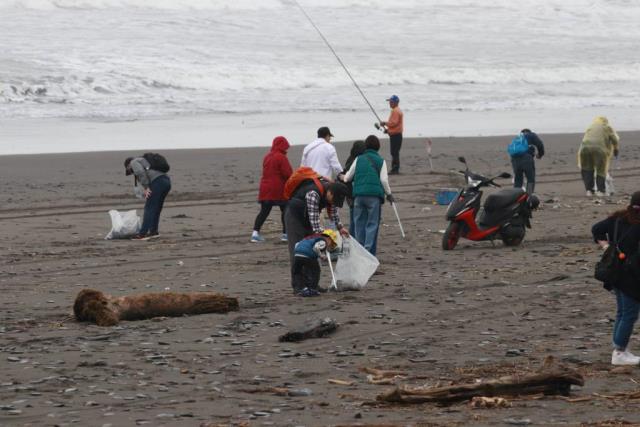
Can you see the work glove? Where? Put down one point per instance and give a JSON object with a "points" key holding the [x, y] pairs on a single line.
{"points": [[390, 198]]}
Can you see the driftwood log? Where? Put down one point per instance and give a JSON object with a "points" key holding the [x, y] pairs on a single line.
{"points": [[315, 328], [105, 310], [550, 380]]}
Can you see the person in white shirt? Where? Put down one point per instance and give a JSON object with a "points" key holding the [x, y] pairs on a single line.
{"points": [[320, 155]]}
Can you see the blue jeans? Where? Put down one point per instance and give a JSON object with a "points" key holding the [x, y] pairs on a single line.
{"points": [[626, 316], [366, 214], [153, 206]]}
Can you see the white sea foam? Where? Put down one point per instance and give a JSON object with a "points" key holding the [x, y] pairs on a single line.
{"points": [[128, 59]]}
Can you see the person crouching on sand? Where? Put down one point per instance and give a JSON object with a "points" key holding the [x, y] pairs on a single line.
{"points": [[276, 169], [623, 227], [600, 141], [305, 274], [157, 185]]}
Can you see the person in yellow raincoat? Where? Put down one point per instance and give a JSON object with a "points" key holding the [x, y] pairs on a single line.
{"points": [[599, 145]]}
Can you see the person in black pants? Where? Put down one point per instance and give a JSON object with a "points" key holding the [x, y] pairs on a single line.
{"points": [[524, 164], [394, 127]]}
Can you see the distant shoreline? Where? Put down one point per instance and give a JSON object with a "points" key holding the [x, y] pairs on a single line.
{"points": [[212, 131]]}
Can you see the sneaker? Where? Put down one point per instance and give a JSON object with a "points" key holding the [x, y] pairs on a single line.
{"points": [[394, 172], [140, 237], [589, 193], [153, 235], [600, 194], [284, 238], [624, 358], [256, 238], [307, 292]]}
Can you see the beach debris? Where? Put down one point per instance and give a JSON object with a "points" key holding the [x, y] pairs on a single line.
{"points": [[314, 328], [105, 310], [551, 379], [481, 402], [382, 377], [339, 382]]}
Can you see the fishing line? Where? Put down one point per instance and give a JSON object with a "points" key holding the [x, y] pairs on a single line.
{"points": [[339, 60]]}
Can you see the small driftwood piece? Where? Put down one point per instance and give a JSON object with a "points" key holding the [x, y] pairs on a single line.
{"points": [[550, 380], [105, 310], [315, 328]]}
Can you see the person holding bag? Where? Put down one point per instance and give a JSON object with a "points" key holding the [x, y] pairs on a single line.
{"points": [[619, 235]]}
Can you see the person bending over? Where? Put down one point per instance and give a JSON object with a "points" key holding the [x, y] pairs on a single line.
{"points": [[305, 274]]}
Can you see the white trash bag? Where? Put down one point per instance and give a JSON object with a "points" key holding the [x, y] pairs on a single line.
{"points": [[123, 224], [355, 266]]}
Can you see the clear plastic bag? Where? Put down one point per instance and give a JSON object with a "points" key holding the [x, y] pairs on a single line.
{"points": [[138, 190], [609, 187], [123, 224], [355, 266]]}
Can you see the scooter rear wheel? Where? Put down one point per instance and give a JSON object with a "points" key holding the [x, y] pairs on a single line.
{"points": [[513, 235], [451, 236]]}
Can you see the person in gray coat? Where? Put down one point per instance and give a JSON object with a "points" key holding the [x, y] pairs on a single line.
{"points": [[156, 186]]}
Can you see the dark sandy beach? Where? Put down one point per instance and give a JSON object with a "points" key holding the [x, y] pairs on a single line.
{"points": [[478, 312]]}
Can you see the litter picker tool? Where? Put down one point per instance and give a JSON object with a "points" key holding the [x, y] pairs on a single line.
{"points": [[334, 285], [428, 142], [377, 124], [395, 209]]}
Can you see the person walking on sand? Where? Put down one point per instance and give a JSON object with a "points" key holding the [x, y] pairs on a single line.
{"points": [[622, 229], [302, 216], [276, 169], [157, 185], [320, 155], [370, 185], [394, 127], [523, 163], [598, 145]]}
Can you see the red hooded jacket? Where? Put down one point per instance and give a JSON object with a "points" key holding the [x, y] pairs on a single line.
{"points": [[276, 169]]}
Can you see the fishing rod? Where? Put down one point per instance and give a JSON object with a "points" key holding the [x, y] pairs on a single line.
{"points": [[341, 63]]}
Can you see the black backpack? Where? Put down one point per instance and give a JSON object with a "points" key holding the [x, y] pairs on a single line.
{"points": [[157, 162], [611, 266]]}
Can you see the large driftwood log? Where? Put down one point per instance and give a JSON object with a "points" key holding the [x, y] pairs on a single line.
{"points": [[550, 380], [311, 329], [105, 310]]}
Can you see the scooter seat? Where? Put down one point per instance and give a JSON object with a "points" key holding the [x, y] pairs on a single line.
{"points": [[502, 199]]}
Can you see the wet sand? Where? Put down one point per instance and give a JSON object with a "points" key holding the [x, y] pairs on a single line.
{"points": [[480, 311]]}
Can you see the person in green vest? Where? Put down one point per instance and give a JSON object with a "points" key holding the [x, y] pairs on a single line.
{"points": [[370, 186]]}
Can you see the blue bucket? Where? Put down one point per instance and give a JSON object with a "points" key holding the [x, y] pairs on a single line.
{"points": [[446, 196]]}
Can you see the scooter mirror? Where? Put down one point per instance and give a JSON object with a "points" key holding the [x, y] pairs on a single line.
{"points": [[505, 175], [462, 160]]}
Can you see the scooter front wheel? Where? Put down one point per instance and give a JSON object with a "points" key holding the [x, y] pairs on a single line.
{"points": [[451, 236]]}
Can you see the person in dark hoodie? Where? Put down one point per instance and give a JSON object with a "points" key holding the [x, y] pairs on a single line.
{"points": [[524, 164], [622, 228], [357, 148], [156, 186], [276, 169]]}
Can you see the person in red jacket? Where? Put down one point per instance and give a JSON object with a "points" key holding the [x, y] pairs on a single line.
{"points": [[276, 169]]}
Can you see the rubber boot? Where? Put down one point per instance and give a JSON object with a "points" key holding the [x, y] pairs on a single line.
{"points": [[530, 187], [587, 178], [600, 183]]}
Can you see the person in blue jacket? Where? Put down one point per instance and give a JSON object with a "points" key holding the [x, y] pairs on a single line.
{"points": [[305, 273], [524, 164]]}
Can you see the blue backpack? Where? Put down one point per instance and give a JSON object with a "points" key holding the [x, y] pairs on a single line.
{"points": [[518, 146]]}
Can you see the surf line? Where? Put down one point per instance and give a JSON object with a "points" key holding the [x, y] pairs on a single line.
{"points": [[379, 120]]}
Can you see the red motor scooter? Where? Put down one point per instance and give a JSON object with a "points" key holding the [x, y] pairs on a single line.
{"points": [[505, 214]]}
